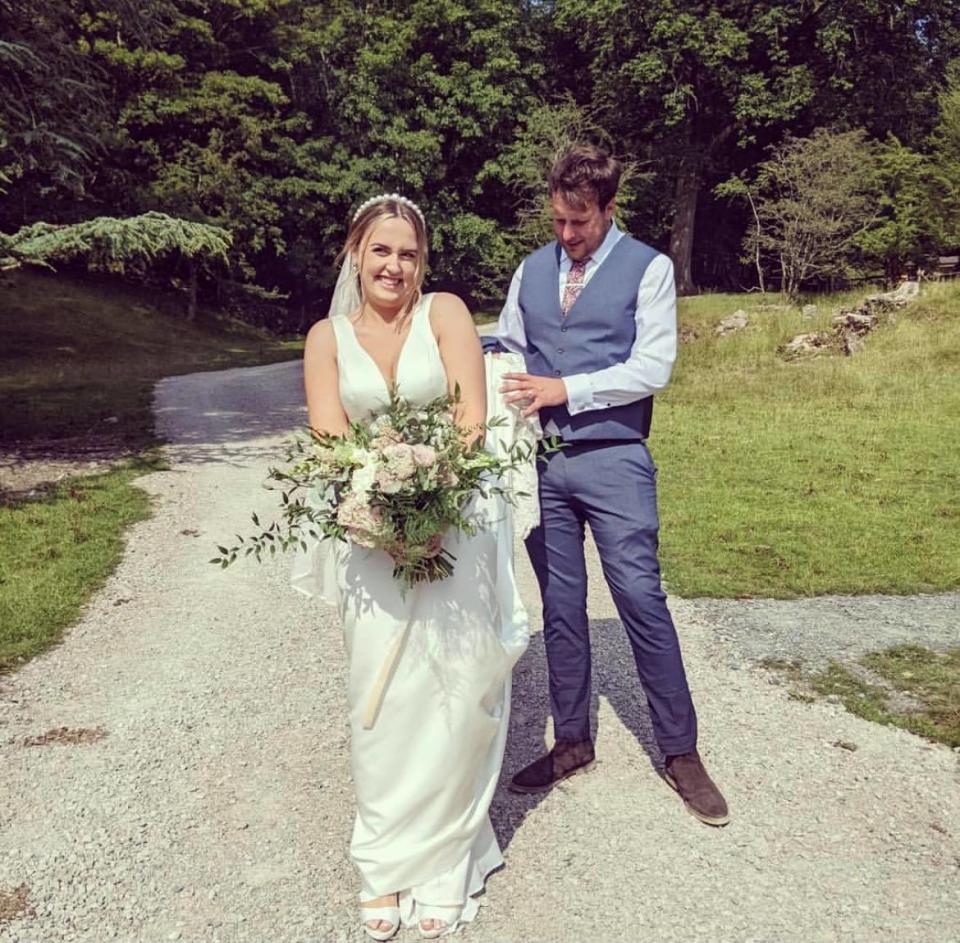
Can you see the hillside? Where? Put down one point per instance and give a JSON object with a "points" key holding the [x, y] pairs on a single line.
{"points": [[78, 360]]}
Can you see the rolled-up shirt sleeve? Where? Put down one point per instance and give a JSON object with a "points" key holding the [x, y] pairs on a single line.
{"points": [[652, 356], [510, 333]]}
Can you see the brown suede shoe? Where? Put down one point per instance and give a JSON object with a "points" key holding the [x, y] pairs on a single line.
{"points": [[567, 758], [685, 773]]}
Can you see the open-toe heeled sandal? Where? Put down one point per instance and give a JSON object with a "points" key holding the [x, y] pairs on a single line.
{"points": [[447, 917], [389, 915]]}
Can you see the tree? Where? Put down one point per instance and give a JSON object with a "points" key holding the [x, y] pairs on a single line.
{"points": [[680, 82], [945, 143], [904, 231], [275, 119], [422, 96], [53, 111], [119, 245], [542, 136], [814, 197], [697, 86], [737, 188], [200, 118]]}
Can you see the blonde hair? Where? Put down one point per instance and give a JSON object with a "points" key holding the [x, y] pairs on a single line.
{"points": [[361, 228]]}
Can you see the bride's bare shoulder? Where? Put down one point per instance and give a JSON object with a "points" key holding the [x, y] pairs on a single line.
{"points": [[320, 338], [449, 313]]}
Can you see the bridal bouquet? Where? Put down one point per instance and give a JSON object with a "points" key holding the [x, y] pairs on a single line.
{"points": [[394, 483]]}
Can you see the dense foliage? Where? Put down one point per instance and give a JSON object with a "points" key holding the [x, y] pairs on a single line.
{"points": [[134, 245], [272, 119]]}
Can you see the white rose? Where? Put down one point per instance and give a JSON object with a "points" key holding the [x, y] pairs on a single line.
{"points": [[362, 479]]}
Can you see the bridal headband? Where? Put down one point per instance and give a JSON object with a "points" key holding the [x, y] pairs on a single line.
{"points": [[383, 197], [346, 293]]}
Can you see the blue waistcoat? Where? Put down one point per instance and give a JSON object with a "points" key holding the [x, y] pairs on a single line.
{"points": [[598, 331]]}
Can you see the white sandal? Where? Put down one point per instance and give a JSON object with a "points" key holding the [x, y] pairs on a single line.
{"points": [[389, 915], [438, 914]]}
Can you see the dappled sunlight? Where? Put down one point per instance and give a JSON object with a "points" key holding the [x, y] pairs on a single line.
{"points": [[238, 415]]}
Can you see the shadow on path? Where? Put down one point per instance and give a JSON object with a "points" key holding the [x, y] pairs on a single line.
{"points": [[614, 678], [236, 420]]}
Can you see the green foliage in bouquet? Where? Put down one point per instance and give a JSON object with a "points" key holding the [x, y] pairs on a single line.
{"points": [[394, 483]]}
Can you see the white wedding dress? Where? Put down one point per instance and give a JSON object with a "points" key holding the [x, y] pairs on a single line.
{"points": [[429, 672]]}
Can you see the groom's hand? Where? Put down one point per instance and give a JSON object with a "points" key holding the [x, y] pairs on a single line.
{"points": [[536, 392]]}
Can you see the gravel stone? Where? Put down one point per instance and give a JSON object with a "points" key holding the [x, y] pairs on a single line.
{"points": [[825, 628], [222, 695]]}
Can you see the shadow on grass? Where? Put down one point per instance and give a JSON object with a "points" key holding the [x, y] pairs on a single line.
{"points": [[80, 359], [57, 549], [50, 492]]}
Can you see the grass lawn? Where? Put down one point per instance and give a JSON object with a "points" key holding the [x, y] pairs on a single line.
{"points": [[56, 551], [74, 355], [832, 475], [905, 686]]}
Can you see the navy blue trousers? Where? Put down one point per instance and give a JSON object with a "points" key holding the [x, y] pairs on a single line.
{"points": [[611, 487]]}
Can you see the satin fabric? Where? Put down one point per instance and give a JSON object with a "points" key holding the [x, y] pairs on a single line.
{"points": [[426, 770]]}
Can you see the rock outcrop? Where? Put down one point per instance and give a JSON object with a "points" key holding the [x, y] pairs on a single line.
{"points": [[736, 322], [850, 327]]}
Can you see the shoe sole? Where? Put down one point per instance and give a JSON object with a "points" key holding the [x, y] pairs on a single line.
{"points": [[531, 790], [716, 820], [382, 936]]}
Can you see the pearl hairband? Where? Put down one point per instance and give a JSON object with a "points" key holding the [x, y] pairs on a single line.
{"points": [[389, 196]]}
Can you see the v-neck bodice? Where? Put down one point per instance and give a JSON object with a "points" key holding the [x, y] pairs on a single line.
{"points": [[420, 376]]}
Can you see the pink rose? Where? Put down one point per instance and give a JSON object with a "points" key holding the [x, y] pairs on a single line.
{"points": [[424, 455], [399, 460], [360, 519], [388, 482], [384, 430]]}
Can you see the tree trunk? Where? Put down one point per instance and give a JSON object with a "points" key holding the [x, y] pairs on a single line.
{"points": [[756, 254], [681, 236], [192, 290]]}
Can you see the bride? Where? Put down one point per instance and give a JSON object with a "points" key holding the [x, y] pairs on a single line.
{"points": [[429, 670]]}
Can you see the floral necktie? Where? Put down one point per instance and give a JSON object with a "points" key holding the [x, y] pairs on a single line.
{"points": [[574, 284]]}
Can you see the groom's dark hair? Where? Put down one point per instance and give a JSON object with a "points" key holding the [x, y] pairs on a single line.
{"points": [[584, 173]]}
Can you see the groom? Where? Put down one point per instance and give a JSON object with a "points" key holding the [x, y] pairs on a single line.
{"points": [[594, 315]]}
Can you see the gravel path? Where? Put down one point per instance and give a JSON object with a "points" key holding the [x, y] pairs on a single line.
{"points": [[829, 627], [214, 801]]}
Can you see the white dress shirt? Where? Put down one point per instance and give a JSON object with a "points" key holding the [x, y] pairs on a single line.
{"points": [[646, 369]]}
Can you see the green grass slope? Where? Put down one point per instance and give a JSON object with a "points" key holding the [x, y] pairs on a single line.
{"points": [[73, 355], [55, 552], [832, 475]]}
